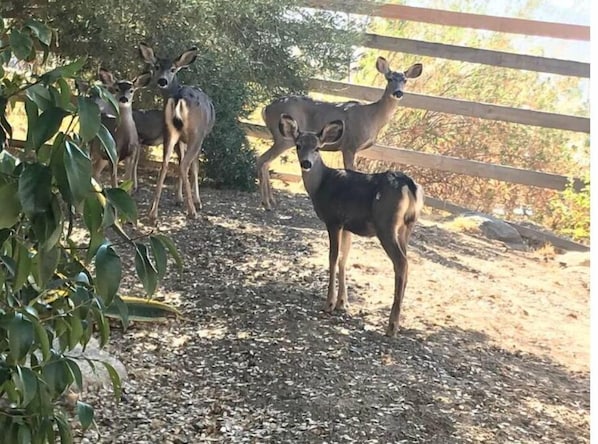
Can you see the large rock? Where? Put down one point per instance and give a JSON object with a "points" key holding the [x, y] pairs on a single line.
{"points": [[495, 228]]}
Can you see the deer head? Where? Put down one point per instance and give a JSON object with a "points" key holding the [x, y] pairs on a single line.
{"points": [[397, 80]]}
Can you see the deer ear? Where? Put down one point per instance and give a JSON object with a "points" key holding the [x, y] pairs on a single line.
{"points": [[414, 71], [332, 132], [288, 127], [106, 77], [147, 54], [142, 80], [382, 65], [186, 58]]}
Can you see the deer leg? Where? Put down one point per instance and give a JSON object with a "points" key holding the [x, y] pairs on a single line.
{"points": [[168, 147], [263, 164], [97, 167], [342, 302], [180, 151], [349, 160], [188, 159], [395, 246], [195, 176], [334, 234]]}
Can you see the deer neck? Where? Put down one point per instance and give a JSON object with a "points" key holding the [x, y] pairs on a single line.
{"points": [[126, 125], [313, 178], [383, 110]]}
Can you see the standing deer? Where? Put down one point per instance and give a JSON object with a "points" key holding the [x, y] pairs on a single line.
{"points": [[150, 130], [386, 205], [363, 122], [123, 129], [189, 117]]}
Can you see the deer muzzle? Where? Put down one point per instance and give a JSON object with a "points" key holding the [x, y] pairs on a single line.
{"points": [[162, 82], [398, 94]]}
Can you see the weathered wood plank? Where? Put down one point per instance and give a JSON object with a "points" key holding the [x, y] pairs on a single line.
{"points": [[456, 106], [451, 164], [459, 19], [475, 55]]}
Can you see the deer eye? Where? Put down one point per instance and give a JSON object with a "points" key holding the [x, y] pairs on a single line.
{"points": [[173, 70]]}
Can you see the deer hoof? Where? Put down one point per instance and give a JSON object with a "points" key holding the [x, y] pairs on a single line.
{"points": [[342, 305], [192, 215], [392, 330], [329, 307]]}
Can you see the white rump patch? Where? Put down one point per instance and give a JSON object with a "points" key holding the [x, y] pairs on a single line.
{"points": [[378, 195]]}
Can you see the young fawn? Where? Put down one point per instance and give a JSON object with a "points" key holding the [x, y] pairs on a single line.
{"points": [[386, 205]]}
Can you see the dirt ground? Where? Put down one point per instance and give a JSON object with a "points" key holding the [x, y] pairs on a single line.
{"points": [[494, 345]]}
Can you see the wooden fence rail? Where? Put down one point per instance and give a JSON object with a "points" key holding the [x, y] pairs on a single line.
{"points": [[456, 106], [450, 164], [459, 19], [475, 55]]}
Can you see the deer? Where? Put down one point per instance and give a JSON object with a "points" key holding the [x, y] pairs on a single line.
{"points": [[189, 116], [386, 205], [123, 129], [150, 130], [363, 122]]}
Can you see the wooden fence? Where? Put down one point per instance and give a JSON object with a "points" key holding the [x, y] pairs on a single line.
{"points": [[462, 107]]}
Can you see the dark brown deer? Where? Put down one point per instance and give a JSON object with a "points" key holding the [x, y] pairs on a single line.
{"points": [[123, 128], [189, 117], [386, 205], [363, 122]]}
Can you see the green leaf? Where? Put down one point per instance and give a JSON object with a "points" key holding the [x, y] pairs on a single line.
{"points": [[24, 263], [85, 414], [145, 269], [32, 111], [76, 372], [107, 97], [48, 226], [78, 171], [35, 188], [67, 71], [121, 309], [92, 213], [171, 247], [64, 429], [116, 383], [57, 376], [108, 143], [47, 262], [43, 341], [24, 434], [20, 43], [108, 273], [27, 384], [40, 96], [58, 168], [42, 32], [46, 127], [89, 118], [109, 218], [65, 95], [102, 326], [123, 203], [75, 332], [159, 253], [11, 206], [20, 337]]}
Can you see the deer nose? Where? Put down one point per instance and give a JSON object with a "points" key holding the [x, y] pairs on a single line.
{"points": [[398, 94], [162, 82], [305, 165], [123, 100]]}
